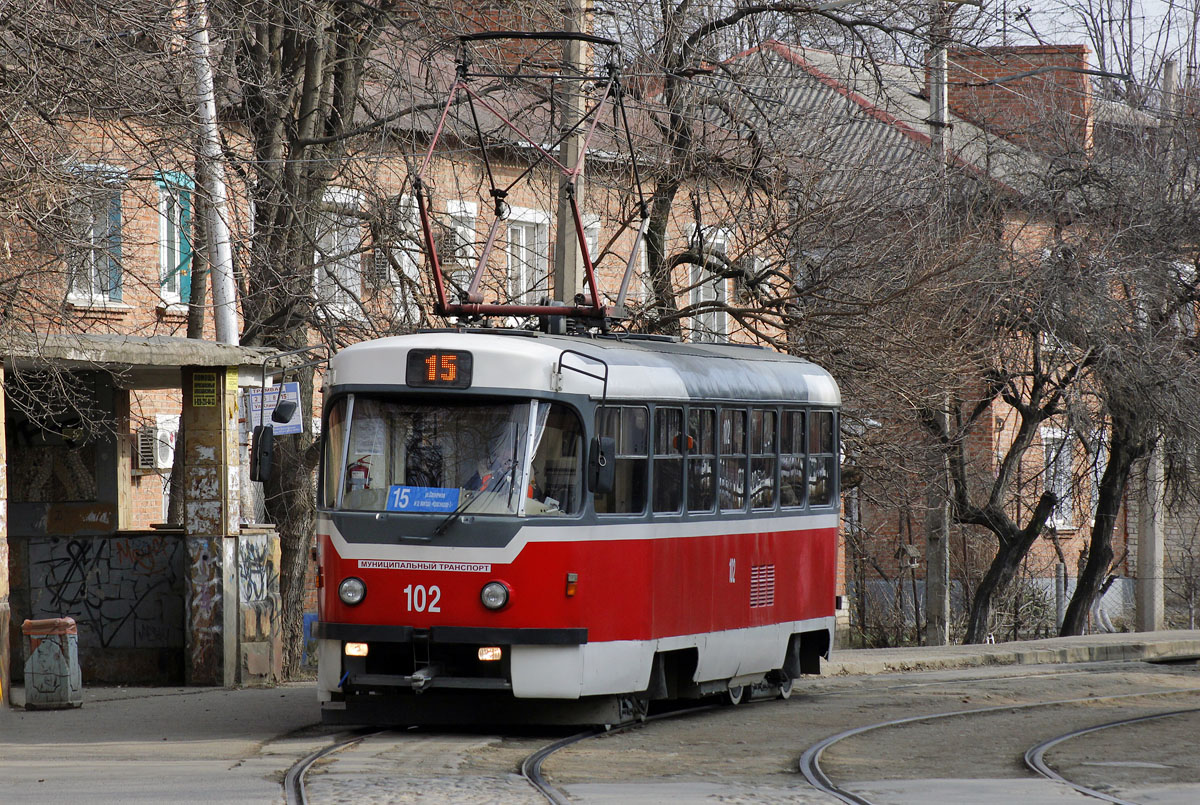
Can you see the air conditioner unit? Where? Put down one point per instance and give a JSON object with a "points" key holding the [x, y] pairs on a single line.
{"points": [[155, 447]]}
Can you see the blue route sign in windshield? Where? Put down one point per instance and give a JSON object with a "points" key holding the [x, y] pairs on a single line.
{"points": [[422, 499]]}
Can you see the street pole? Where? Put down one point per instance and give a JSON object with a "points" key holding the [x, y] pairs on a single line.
{"points": [[220, 250], [937, 544], [1151, 537], [568, 260], [937, 516], [1148, 591]]}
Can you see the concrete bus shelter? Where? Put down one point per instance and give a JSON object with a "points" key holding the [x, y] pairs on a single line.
{"points": [[195, 602]]}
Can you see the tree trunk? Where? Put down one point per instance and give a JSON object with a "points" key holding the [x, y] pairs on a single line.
{"points": [[1125, 450], [1013, 548], [291, 505], [999, 575], [661, 283], [295, 525]]}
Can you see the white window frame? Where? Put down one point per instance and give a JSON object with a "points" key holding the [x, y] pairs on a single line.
{"points": [[170, 212], [591, 235], [1187, 318], [406, 253], [463, 218], [99, 240], [528, 274], [711, 325], [337, 258], [1058, 472], [640, 287]]}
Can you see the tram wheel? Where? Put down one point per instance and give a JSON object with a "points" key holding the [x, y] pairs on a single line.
{"points": [[634, 708], [735, 695]]}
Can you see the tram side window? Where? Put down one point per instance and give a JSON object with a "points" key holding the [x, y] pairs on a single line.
{"points": [[792, 479], [335, 434], [733, 460], [821, 458], [669, 440], [556, 471], [628, 426], [762, 459], [701, 459]]}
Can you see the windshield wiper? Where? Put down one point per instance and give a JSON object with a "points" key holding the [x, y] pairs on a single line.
{"points": [[505, 482], [453, 517]]}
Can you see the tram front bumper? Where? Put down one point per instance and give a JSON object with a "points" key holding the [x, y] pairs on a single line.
{"points": [[398, 660]]}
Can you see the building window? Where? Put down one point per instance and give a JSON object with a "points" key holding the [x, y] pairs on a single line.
{"points": [[174, 238], [395, 261], [640, 287], [591, 236], [461, 232], [337, 277], [711, 323], [94, 248], [1056, 460], [528, 259]]}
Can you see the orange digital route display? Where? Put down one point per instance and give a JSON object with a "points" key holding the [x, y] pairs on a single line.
{"points": [[439, 368]]}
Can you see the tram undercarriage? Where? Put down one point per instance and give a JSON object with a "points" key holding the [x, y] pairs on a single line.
{"points": [[425, 683]]}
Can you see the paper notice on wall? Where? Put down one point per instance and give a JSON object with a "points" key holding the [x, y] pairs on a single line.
{"points": [[368, 437], [270, 398]]}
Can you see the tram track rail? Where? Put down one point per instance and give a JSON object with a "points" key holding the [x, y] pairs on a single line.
{"points": [[531, 767], [1035, 756], [809, 763], [293, 781]]}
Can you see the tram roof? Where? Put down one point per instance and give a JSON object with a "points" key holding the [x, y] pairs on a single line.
{"points": [[638, 367]]}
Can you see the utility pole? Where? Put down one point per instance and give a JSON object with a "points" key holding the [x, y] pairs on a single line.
{"points": [[220, 252], [568, 260], [937, 514], [1148, 592]]}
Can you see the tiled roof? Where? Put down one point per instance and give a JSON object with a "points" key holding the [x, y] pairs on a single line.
{"points": [[869, 120]]}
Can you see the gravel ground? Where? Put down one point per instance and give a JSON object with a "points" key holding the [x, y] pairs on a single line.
{"points": [[749, 754]]}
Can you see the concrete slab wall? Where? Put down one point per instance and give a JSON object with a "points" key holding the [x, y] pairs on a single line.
{"points": [[125, 592], [260, 626], [211, 520]]}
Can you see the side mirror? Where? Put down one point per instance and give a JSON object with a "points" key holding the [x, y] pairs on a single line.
{"points": [[602, 468], [283, 412], [262, 448]]}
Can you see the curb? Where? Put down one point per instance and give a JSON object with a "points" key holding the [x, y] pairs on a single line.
{"points": [[932, 659]]}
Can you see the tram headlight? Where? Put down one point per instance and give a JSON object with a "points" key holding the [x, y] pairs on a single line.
{"points": [[494, 595], [352, 591]]}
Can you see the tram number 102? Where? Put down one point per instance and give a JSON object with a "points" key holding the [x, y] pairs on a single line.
{"points": [[418, 598]]}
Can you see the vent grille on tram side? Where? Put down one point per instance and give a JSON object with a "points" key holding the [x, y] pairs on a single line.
{"points": [[762, 586]]}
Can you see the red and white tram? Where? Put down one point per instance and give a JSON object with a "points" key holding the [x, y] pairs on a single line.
{"points": [[521, 526]]}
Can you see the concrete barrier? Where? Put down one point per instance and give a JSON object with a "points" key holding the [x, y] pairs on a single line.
{"points": [[52, 678]]}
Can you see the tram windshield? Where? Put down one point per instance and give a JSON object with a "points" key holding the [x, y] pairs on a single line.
{"points": [[382, 454]]}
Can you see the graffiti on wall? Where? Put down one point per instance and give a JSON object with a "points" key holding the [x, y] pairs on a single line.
{"points": [[205, 628], [257, 574], [124, 592]]}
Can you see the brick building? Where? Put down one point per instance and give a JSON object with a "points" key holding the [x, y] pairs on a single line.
{"points": [[129, 262]]}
